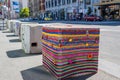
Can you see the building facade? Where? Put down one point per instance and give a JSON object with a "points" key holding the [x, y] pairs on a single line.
{"points": [[23, 3], [69, 9], [34, 6], [42, 9], [14, 8], [30, 6], [110, 9]]}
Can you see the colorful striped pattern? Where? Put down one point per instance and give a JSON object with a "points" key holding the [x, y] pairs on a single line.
{"points": [[69, 52]]}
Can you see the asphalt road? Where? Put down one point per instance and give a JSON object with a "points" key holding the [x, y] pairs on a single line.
{"points": [[104, 23], [16, 65]]}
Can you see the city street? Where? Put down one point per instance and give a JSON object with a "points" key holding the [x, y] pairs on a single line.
{"points": [[16, 65], [52, 40]]}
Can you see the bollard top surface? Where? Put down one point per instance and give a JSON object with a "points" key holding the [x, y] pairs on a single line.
{"points": [[70, 26]]}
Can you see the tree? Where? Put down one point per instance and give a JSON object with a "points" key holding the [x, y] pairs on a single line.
{"points": [[89, 11], [24, 12]]}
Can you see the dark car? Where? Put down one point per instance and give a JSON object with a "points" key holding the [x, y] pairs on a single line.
{"points": [[92, 18], [34, 18]]}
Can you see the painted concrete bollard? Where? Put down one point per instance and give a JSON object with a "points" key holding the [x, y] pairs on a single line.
{"points": [[30, 37], [70, 51], [19, 27]]}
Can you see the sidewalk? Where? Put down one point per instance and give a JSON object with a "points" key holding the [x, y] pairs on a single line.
{"points": [[15, 65]]}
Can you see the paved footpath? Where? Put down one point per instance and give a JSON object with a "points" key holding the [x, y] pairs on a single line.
{"points": [[15, 65]]}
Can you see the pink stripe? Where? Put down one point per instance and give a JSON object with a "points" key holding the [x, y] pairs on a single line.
{"points": [[69, 55]]}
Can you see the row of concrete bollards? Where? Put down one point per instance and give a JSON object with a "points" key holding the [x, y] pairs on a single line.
{"points": [[68, 50]]}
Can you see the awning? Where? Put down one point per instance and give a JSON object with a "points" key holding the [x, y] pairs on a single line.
{"points": [[107, 3]]}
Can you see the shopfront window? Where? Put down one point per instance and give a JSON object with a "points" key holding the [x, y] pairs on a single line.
{"points": [[49, 4], [46, 4], [73, 1], [52, 3], [55, 2], [110, 12], [88, 2], [59, 2], [63, 2], [68, 1]]}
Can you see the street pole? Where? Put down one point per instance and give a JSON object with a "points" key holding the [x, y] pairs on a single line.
{"points": [[119, 12], [8, 3], [78, 5], [3, 23], [80, 8]]}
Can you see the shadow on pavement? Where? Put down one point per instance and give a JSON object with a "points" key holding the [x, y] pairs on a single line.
{"points": [[40, 73], [2, 29], [20, 53], [11, 35], [6, 32], [15, 40]]}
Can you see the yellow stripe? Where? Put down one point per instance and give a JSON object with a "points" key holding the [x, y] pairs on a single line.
{"points": [[59, 35], [68, 46]]}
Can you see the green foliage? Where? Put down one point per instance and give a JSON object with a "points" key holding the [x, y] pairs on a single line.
{"points": [[24, 12], [89, 11]]}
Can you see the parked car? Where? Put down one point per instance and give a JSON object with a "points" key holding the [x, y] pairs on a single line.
{"points": [[47, 19], [92, 18]]}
